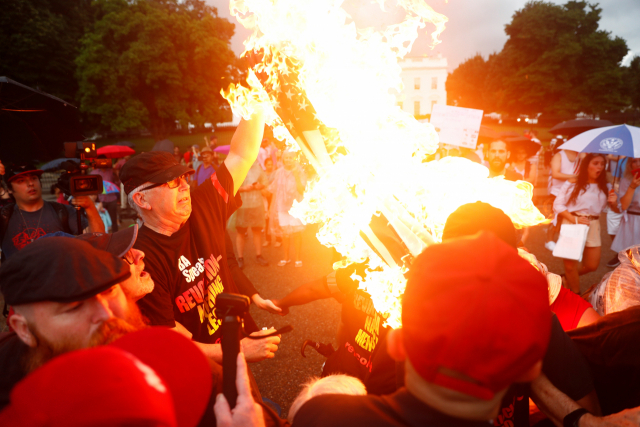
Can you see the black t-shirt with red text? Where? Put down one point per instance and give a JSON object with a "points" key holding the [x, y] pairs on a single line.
{"points": [[189, 268], [361, 347]]}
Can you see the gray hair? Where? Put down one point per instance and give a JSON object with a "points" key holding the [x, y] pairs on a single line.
{"points": [[132, 203], [332, 384]]}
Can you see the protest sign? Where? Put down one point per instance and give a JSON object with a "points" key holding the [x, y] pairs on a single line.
{"points": [[456, 125]]}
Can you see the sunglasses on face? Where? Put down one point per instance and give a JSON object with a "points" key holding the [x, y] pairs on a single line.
{"points": [[171, 184]]}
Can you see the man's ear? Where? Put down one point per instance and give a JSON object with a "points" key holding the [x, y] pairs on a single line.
{"points": [[140, 200], [395, 345], [19, 324]]}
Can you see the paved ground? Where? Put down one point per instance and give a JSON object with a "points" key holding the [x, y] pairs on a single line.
{"points": [[280, 378]]}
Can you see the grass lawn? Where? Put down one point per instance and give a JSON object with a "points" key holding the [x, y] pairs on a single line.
{"points": [[146, 143], [224, 137]]}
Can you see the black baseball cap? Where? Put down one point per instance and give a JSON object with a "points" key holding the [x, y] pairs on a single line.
{"points": [[59, 269], [118, 243], [472, 218], [154, 166], [14, 171]]}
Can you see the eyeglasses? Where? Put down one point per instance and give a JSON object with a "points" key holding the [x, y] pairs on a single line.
{"points": [[171, 184]]}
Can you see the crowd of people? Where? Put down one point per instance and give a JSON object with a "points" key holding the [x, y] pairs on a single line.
{"points": [[121, 327]]}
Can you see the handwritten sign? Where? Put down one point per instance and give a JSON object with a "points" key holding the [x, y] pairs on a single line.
{"points": [[456, 125]]}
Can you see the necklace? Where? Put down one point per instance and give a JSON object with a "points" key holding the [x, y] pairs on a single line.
{"points": [[26, 226]]}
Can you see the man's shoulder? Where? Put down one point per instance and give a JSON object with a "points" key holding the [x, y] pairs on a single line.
{"points": [[397, 410]]}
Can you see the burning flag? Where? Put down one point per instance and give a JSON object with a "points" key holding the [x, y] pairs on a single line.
{"points": [[330, 87]]}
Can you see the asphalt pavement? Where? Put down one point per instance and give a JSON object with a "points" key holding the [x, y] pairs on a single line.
{"points": [[280, 378]]}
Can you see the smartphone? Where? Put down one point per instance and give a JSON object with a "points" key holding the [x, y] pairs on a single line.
{"points": [[636, 173]]}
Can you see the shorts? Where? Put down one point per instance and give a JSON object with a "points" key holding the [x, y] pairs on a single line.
{"points": [[593, 236], [289, 224]]}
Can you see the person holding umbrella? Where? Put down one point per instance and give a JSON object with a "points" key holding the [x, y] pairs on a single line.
{"points": [[629, 203]]}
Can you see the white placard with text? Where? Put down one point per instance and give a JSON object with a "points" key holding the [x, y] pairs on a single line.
{"points": [[456, 125]]}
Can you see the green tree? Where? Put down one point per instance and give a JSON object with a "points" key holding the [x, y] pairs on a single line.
{"points": [[465, 85], [150, 63], [555, 60], [632, 82], [39, 41]]}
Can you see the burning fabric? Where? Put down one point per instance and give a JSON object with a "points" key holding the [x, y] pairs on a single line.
{"points": [[330, 89]]}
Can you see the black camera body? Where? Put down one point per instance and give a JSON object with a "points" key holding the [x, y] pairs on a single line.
{"points": [[75, 181], [231, 308]]}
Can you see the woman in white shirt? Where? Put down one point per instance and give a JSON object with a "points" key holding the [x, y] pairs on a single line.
{"points": [[582, 202]]}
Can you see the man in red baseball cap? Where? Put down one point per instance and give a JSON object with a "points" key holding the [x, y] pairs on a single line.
{"points": [[131, 382], [457, 340], [183, 238]]}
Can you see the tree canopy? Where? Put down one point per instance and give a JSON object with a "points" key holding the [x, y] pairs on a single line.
{"points": [[556, 60], [150, 63], [39, 41]]}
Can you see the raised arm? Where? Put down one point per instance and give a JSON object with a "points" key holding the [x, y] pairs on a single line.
{"points": [[245, 145], [556, 163]]}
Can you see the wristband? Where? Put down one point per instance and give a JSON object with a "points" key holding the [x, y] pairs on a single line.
{"points": [[571, 420]]}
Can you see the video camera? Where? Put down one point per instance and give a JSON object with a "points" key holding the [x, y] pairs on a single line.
{"points": [[231, 308], [75, 181]]}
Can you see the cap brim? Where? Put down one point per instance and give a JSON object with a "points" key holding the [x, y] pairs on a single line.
{"points": [[122, 241], [171, 173], [32, 172]]}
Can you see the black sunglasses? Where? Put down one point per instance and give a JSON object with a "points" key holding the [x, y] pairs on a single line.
{"points": [[171, 184]]}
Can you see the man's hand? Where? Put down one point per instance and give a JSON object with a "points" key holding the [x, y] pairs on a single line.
{"points": [[247, 412], [265, 304], [84, 202], [258, 350], [284, 310], [95, 222], [582, 220], [626, 418]]}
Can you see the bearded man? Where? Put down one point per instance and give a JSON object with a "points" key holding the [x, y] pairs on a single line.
{"points": [[66, 295]]}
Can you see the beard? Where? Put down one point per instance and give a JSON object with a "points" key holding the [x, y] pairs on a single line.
{"points": [[109, 331]]}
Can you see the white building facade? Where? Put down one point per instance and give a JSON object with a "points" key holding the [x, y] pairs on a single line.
{"points": [[424, 80]]}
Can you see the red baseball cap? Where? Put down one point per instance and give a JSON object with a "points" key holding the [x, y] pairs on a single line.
{"points": [[125, 383], [474, 307]]}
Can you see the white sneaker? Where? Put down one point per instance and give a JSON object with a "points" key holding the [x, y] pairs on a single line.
{"points": [[550, 245]]}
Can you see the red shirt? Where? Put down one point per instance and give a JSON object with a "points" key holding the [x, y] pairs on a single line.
{"points": [[569, 308]]}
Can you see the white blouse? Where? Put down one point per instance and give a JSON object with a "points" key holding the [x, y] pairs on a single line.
{"points": [[591, 202]]}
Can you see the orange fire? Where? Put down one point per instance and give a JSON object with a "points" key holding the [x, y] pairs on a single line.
{"points": [[368, 153]]}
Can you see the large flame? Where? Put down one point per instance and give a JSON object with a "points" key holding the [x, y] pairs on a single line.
{"points": [[368, 153]]}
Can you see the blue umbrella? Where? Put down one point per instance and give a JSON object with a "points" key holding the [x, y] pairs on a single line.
{"points": [[622, 140], [54, 165]]}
